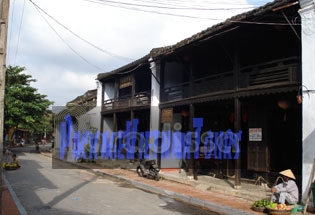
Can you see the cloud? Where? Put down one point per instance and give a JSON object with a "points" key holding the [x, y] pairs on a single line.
{"points": [[64, 87], [64, 73]]}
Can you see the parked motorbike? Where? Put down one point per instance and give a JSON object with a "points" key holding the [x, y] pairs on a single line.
{"points": [[148, 169]]}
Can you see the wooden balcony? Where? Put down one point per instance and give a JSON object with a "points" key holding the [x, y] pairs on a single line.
{"points": [[138, 100], [268, 74], [273, 73]]}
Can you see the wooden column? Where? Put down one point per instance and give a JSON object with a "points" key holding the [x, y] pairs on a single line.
{"points": [[237, 112], [116, 92], [237, 128], [192, 171], [103, 96], [132, 116], [133, 100], [114, 122]]}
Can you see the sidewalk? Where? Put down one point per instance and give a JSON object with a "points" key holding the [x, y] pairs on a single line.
{"points": [[10, 203], [214, 194]]}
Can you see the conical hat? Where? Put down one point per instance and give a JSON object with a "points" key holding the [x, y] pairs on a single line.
{"points": [[288, 173]]}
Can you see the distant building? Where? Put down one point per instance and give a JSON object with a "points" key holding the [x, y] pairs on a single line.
{"points": [[85, 116]]}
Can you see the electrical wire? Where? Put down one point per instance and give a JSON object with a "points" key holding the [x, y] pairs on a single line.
{"points": [[125, 5], [84, 40], [152, 11], [19, 34], [73, 50], [169, 7], [103, 2], [11, 21]]}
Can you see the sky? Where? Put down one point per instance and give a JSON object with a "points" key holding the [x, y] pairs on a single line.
{"points": [[65, 44]]}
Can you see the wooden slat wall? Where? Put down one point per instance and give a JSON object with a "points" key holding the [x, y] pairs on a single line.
{"points": [[258, 158]]}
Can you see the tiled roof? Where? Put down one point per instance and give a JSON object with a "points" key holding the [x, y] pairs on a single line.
{"points": [[215, 29], [125, 68], [87, 97], [247, 16]]}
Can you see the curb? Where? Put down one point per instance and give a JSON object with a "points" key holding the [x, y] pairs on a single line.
{"points": [[222, 209], [15, 198], [217, 188]]}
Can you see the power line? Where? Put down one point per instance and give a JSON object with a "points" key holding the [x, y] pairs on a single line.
{"points": [[73, 50], [11, 21], [20, 27], [140, 7], [84, 40], [122, 5], [161, 6], [151, 11]]}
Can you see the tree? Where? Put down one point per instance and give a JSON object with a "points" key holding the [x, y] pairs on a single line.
{"points": [[23, 106]]}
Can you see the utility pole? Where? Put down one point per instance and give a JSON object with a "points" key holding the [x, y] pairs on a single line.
{"points": [[4, 14]]}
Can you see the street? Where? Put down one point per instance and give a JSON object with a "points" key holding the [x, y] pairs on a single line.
{"points": [[43, 190]]}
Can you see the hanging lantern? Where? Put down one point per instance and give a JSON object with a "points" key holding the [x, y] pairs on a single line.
{"points": [[184, 113], [284, 104], [299, 99]]}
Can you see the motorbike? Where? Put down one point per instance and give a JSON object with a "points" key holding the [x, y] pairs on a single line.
{"points": [[148, 169]]}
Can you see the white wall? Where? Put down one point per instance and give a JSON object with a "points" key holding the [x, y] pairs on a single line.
{"points": [[155, 100], [109, 91], [155, 97], [99, 94], [171, 162], [108, 124], [94, 117], [308, 81]]}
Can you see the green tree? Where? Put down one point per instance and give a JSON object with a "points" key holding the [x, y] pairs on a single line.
{"points": [[23, 106]]}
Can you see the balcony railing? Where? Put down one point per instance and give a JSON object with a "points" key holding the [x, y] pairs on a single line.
{"points": [[273, 73], [139, 99]]}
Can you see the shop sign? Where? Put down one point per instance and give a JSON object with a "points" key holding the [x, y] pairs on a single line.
{"points": [[167, 115], [255, 134]]}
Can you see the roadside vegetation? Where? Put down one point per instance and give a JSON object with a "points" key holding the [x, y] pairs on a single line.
{"points": [[26, 111]]}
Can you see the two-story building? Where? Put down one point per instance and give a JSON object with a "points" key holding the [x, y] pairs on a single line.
{"points": [[243, 74]]}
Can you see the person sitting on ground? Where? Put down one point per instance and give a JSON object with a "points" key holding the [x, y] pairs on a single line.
{"points": [[287, 191], [15, 161], [14, 164]]}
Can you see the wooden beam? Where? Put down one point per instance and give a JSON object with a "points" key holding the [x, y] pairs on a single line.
{"points": [[285, 6]]}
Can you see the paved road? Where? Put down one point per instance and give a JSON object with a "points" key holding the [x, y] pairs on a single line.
{"points": [[43, 190]]}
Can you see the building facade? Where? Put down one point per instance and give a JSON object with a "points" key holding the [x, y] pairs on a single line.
{"points": [[251, 75]]}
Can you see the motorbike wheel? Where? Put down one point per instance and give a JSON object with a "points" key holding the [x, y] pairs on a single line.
{"points": [[139, 171]]}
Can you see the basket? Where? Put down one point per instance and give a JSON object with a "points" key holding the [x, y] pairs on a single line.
{"points": [[12, 167], [258, 209], [310, 209], [279, 211]]}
